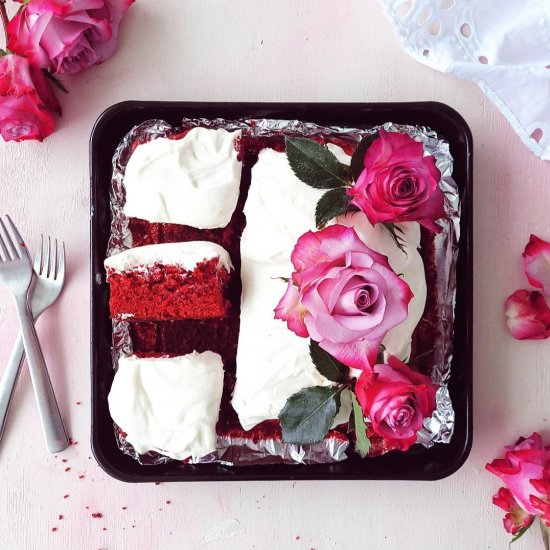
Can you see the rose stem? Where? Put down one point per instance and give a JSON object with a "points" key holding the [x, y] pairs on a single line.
{"points": [[5, 20]]}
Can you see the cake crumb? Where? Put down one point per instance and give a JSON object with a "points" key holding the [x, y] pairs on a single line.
{"points": [[78, 403], [96, 515], [297, 537], [68, 469], [64, 460], [54, 529], [81, 476], [168, 502], [60, 517], [104, 529], [65, 496], [157, 482]]}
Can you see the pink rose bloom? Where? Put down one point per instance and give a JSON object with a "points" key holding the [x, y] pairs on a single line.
{"points": [[67, 36], [537, 263], [399, 183], [525, 464], [542, 503], [27, 102], [343, 295], [516, 517], [527, 315], [396, 399]]}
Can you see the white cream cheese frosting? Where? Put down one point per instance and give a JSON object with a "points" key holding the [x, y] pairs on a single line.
{"points": [[189, 181], [169, 405], [272, 362], [186, 255]]}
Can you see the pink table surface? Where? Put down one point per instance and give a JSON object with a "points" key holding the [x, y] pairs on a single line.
{"points": [[290, 50]]}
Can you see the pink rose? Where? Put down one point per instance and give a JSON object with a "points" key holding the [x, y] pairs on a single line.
{"points": [[542, 502], [399, 183], [524, 466], [537, 263], [527, 315], [343, 295], [67, 36], [396, 399], [516, 517], [27, 101]]}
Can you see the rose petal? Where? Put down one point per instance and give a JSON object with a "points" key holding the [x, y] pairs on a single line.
{"points": [[537, 263], [290, 310], [527, 315]]}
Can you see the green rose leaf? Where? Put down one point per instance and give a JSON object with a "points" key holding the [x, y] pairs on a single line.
{"points": [[315, 165], [544, 530], [308, 415], [327, 365], [396, 232], [333, 203], [359, 155], [362, 442]]}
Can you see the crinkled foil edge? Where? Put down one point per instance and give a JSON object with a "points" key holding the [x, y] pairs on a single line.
{"points": [[237, 450]]}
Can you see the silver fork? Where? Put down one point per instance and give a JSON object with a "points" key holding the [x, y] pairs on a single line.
{"points": [[49, 280], [16, 273]]}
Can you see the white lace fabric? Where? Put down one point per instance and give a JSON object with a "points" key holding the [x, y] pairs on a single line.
{"points": [[502, 45]]}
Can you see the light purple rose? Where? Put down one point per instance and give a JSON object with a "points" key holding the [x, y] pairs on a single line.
{"points": [[343, 295]]}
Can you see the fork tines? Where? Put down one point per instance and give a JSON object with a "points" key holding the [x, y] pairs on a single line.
{"points": [[50, 264], [9, 250]]}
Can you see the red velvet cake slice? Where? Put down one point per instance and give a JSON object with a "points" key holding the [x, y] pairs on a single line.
{"points": [[169, 281]]}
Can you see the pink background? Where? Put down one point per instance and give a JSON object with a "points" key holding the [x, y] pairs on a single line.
{"points": [[289, 50]]}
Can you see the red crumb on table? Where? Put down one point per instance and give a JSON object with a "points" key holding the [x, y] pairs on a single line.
{"points": [[297, 537], [157, 482], [104, 529], [65, 496], [68, 469], [97, 515], [125, 507], [64, 460], [81, 476], [70, 440], [54, 529], [168, 502], [60, 517], [79, 403]]}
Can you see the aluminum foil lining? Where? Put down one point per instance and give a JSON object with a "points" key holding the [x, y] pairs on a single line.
{"points": [[235, 451]]}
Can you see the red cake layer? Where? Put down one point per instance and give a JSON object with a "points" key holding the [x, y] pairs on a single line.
{"points": [[170, 292]]}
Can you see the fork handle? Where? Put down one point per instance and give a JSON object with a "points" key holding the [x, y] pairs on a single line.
{"points": [[9, 380], [52, 424]]}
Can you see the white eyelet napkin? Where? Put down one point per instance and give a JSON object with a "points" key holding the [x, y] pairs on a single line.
{"points": [[502, 45]]}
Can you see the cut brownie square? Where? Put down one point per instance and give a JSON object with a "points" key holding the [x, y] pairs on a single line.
{"points": [[169, 281]]}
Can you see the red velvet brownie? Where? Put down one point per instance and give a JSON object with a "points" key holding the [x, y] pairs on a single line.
{"points": [[169, 281]]}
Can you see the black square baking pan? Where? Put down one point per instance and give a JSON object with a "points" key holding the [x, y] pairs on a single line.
{"points": [[418, 463]]}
